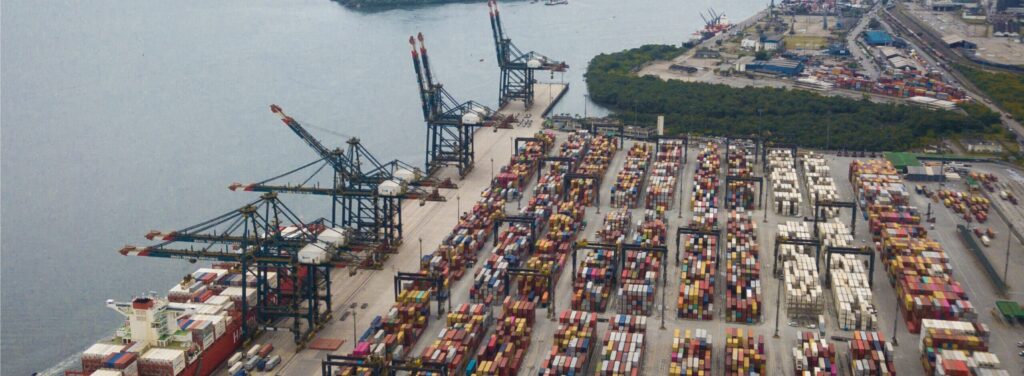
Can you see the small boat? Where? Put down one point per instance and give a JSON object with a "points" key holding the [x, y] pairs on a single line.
{"points": [[556, 2]]}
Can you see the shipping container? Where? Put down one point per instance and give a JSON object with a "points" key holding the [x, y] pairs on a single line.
{"points": [[691, 353], [744, 354], [742, 269], [871, 355], [622, 352], [574, 343], [814, 355], [630, 179]]}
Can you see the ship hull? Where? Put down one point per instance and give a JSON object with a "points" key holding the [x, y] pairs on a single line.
{"points": [[217, 353]]}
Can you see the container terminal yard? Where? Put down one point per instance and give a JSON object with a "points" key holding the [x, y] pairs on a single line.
{"points": [[527, 250]]}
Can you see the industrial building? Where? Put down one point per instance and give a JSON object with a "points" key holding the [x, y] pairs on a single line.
{"points": [[877, 38], [776, 66]]}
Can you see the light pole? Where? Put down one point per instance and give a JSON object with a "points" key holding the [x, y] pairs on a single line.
{"points": [[458, 208], [896, 321], [421, 250], [492, 165]]}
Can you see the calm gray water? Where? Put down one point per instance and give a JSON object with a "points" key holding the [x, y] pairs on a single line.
{"points": [[119, 117]]}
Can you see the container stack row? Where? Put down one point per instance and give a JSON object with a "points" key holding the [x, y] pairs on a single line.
{"points": [[742, 269], [661, 184], [744, 354], [652, 231], [461, 246], [557, 216], [630, 179], [394, 333], [552, 250], [573, 346], [698, 271], [489, 281], [616, 226], [851, 292], [503, 352], [916, 264], [704, 198], [814, 355], [819, 182], [623, 349], [804, 294], [957, 348], [741, 164], [786, 194], [691, 353], [457, 343], [639, 281], [871, 355], [595, 280]]}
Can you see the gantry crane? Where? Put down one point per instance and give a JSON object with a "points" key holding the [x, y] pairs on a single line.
{"points": [[367, 193], [450, 123], [288, 260], [517, 67]]}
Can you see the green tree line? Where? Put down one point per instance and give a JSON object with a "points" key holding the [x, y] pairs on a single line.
{"points": [[785, 116], [1007, 89]]}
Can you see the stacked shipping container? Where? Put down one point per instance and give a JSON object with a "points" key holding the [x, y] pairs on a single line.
{"points": [[744, 355], [691, 354], [503, 353], [785, 184], [956, 348], [804, 295], [623, 350], [595, 279], [814, 355], [871, 355], [916, 264], [573, 345], [661, 185], [629, 182], [742, 269], [851, 292], [699, 263], [461, 337], [819, 182]]}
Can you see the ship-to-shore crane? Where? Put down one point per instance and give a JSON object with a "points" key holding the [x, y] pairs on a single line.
{"points": [[367, 193], [287, 260], [517, 67], [450, 123]]}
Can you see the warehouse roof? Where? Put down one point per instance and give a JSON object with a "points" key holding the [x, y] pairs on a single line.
{"points": [[902, 160], [877, 37]]}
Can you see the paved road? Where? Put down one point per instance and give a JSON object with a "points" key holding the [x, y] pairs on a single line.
{"points": [[867, 62]]}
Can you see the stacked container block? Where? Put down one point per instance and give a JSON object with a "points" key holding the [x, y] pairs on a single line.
{"points": [[744, 354], [622, 352], [661, 185], [742, 269], [574, 342], [630, 179], [691, 353]]}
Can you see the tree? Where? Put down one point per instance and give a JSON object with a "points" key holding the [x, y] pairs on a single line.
{"points": [[761, 55]]}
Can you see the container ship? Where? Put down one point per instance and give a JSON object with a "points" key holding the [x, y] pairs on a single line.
{"points": [[191, 331], [714, 23]]}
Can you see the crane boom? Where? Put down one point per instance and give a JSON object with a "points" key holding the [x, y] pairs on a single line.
{"points": [[335, 158]]}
